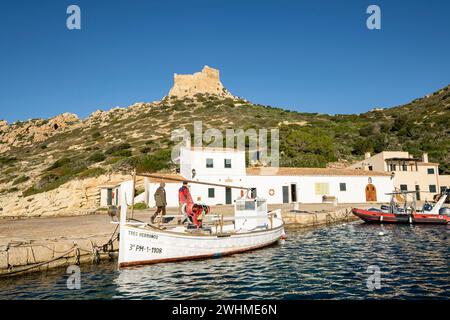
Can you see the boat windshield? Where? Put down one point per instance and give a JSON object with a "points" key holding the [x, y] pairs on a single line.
{"points": [[245, 205], [251, 205]]}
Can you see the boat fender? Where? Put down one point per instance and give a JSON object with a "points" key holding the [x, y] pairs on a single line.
{"points": [[271, 192], [410, 219], [381, 218]]}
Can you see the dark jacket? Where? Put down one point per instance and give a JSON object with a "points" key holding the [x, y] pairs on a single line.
{"points": [[160, 197]]}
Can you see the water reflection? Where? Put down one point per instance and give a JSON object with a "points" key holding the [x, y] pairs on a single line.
{"points": [[318, 263]]}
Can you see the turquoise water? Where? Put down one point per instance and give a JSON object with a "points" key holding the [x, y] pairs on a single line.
{"points": [[329, 262]]}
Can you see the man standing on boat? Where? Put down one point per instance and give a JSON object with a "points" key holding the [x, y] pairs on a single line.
{"points": [[184, 198], [161, 202]]}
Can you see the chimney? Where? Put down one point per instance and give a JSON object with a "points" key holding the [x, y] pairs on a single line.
{"points": [[425, 157], [367, 155]]}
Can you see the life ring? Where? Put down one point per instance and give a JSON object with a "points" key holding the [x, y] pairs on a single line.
{"points": [[271, 192]]}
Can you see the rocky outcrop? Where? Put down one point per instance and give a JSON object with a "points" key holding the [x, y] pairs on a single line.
{"points": [[73, 198], [205, 82], [36, 130]]}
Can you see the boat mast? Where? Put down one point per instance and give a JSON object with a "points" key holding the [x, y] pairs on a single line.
{"points": [[148, 175]]}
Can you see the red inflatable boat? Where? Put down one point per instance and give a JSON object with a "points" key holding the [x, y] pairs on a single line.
{"points": [[394, 214], [417, 217]]}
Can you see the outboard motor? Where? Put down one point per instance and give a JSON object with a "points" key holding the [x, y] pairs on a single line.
{"points": [[444, 211], [427, 207]]}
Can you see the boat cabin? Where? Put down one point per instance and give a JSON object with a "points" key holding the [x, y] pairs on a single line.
{"points": [[250, 213]]}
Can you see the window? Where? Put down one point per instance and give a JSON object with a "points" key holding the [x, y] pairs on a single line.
{"points": [[404, 167], [211, 192], [432, 188], [245, 205], [343, 186], [249, 205], [370, 168], [209, 163], [322, 188], [227, 163], [417, 192], [443, 188], [430, 170], [393, 167], [262, 205], [403, 187]]}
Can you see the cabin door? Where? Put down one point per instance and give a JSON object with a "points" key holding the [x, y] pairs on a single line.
{"points": [[109, 196], [293, 192], [228, 199], [371, 192], [285, 194]]}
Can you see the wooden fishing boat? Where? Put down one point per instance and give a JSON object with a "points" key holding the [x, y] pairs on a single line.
{"points": [[251, 227], [436, 214]]}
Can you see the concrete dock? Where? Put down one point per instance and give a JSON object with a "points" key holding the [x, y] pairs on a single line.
{"points": [[37, 244]]}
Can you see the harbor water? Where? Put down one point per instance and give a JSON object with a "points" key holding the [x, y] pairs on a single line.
{"points": [[342, 261]]}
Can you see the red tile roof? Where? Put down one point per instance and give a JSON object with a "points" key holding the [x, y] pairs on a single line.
{"points": [[285, 171]]}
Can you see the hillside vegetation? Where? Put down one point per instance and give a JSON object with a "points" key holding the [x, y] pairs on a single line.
{"points": [[139, 136]]}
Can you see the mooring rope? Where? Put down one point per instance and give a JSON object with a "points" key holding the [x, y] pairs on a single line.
{"points": [[108, 247], [39, 264]]}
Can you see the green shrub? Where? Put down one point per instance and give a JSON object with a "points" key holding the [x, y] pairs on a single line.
{"points": [[92, 172], [115, 149], [13, 189], [140, 206], [360, 146], [7, 160], [59, 163], [122, 153], [21, 180], [148, 163], [146, 150], [97, 157]]}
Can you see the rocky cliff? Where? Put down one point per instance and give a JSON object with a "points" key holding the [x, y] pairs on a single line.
{"points": [[21, 134]]}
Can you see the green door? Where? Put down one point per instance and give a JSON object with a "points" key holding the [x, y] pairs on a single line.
{"points": [[228, 199], [109, 197], [285, 194]]}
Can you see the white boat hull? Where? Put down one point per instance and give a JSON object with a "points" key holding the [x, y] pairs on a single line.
{"points": [[147, 245]]}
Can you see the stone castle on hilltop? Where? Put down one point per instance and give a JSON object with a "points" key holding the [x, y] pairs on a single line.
{"points": [[207, 81]]}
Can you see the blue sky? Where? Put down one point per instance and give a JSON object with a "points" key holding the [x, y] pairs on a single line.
{"points": [[310, 56]]}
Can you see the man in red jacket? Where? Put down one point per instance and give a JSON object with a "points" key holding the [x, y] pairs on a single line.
{"points": [[184, 197]]}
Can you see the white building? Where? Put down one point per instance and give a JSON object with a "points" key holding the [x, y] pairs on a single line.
{"points": [[110, 193], [277, 185], [408, 173]]}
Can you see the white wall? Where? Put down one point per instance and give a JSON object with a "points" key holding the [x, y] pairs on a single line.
{"points": [[171, 194], [355, 192], [196, 159], [104, 196], [355, 186]]}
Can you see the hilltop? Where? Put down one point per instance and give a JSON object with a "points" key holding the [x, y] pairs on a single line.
{"points": [[39, 155]]}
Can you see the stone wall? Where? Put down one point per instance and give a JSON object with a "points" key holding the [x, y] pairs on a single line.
{"points": [[205, 82], [46, 254], [307, 219]]}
